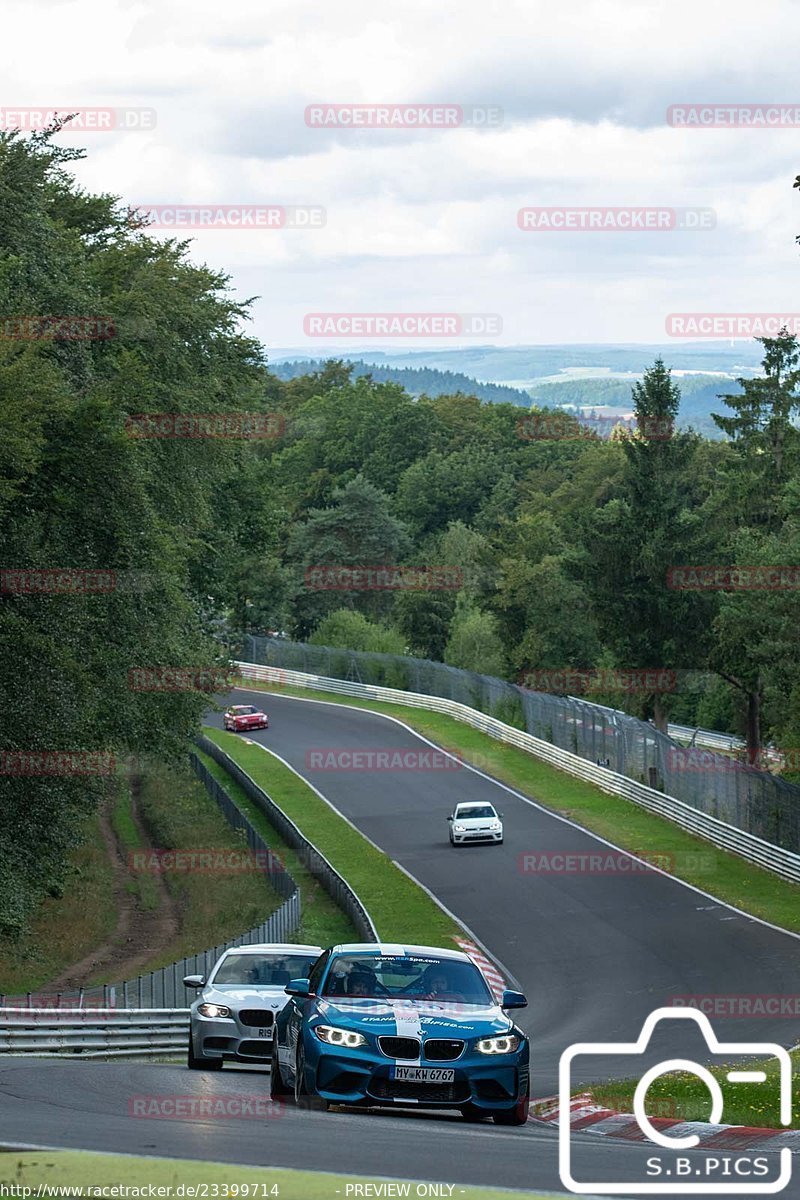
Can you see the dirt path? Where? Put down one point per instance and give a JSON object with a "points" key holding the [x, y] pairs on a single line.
{"points": [[139, 934]]}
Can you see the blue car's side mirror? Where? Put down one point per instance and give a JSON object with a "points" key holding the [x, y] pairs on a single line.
{"points": [[297, 987], [513, 1000]]}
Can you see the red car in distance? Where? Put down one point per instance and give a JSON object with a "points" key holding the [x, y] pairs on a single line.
{"points": [[242, 717]]}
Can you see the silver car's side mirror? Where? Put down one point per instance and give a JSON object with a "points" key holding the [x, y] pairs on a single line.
{"points": [[194, 981]]}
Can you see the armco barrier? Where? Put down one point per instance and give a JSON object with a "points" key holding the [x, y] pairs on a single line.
{"points": [[312, 858], [93, 1033], [759, 802], [773, 858]]}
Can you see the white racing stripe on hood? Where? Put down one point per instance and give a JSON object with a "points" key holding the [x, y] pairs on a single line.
{"points": [[407, 1022]]}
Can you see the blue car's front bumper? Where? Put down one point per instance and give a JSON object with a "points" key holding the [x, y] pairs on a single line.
{"points": [[365, 1076]]}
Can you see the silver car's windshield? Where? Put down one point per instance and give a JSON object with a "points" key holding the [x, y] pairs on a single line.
{"points": [[475, 810], [410, 977], [262, 970]]}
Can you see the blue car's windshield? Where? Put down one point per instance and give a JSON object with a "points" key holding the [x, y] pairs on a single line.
{"points": [[408, 977]]}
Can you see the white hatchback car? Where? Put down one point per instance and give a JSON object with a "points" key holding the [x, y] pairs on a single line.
{"points": [[475, 821]]}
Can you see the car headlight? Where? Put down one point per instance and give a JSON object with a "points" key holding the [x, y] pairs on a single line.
{"points": [[495, 825], [339, 1037], [498, 1045], [460, 828], [213, 1010]]}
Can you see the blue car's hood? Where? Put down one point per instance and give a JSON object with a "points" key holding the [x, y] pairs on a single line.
{"points": [[414, 1018]]}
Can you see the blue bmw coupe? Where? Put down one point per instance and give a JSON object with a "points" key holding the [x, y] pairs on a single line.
{"points": [[382, 1024]]}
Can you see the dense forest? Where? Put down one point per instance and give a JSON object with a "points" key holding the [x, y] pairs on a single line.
{"points": [[558, 547]]}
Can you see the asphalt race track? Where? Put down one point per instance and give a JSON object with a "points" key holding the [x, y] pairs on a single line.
{"points": [[595, 953]]}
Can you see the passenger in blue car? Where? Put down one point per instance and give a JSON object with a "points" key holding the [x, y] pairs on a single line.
{"points": [[436, 984]]}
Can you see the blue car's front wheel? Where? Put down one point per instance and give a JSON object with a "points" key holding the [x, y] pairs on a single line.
{"points": [[300, 1089], [277, 1088], [518, 1115]]}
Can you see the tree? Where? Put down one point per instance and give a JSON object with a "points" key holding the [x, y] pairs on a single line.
{"points": [[77, 491], [353, 631], [356, 530], [632, 541], [765, 443], [474, 641]]}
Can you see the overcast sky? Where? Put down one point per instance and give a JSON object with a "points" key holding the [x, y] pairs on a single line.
{"points": [[425, 220]]}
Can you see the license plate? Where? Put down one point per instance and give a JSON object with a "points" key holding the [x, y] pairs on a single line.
{"points": [[264, 1033], [424, 1074]]}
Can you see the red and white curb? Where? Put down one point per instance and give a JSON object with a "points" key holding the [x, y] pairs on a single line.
{"points": [[495, 980], [585, 1114]]}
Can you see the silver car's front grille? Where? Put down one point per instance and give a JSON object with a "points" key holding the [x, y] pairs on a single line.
{"points": [[257, 1018]]}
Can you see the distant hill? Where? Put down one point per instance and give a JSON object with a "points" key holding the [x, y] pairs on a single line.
{"points": [[417, 381], [699, 392], [525, 366], [699, 397]]}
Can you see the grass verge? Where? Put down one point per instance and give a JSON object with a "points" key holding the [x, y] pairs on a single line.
{"points": [[213, 907], [63, 930], [78, 1168], [685, 1097], [725, 876], [322, 922], [400, 909], [142, 887]]}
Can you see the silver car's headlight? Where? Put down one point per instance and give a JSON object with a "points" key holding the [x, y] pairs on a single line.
{"points": [[460, 828], [339, 1037], [498, 1045], [213, 1010]]}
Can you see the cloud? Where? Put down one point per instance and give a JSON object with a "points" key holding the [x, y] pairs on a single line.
{"points": [[420, 219]]}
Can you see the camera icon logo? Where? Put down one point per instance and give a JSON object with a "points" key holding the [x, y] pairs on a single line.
{"points": [[696, 1174]]}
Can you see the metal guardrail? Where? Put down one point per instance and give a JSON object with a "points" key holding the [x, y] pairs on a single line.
{"points": [[709, 739], [760, 802], [728, 837], [311, 857], [93, 1032]]}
